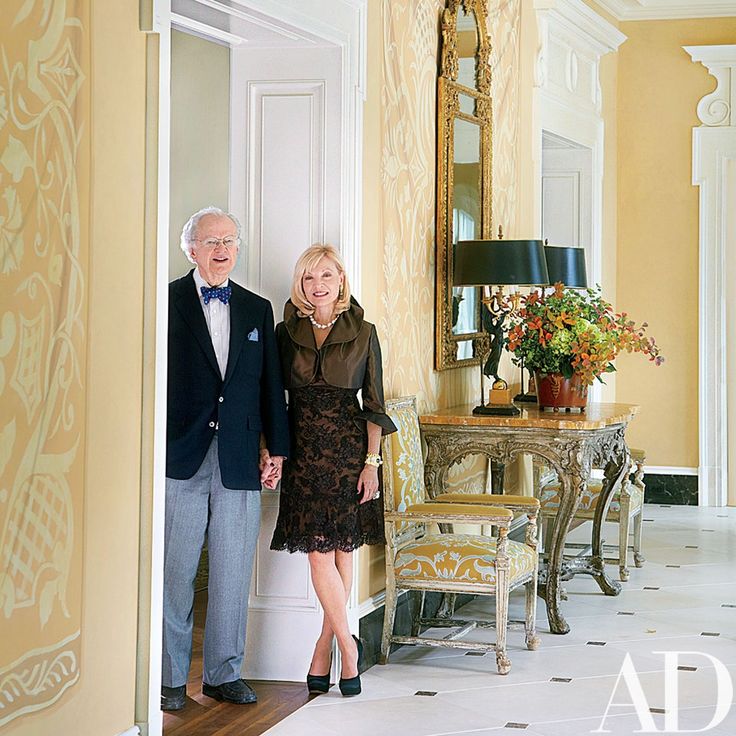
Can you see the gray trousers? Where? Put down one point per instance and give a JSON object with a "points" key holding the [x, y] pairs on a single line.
{"points": [[231, 520]]}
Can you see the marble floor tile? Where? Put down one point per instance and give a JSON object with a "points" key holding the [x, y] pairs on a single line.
{"points": [[472, 699]]}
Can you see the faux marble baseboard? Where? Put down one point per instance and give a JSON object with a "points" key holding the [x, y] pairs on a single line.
{"points": [[677, 490]]}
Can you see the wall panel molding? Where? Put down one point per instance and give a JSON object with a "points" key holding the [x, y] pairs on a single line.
{"points": [[714, 152]]}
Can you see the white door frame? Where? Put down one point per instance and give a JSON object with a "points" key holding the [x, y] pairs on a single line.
{"points": [[343, 23], [714, 147], [572, 39]]}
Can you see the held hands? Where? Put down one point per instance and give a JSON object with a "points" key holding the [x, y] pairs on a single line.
{"points": [[270, 467], [368, 483]]}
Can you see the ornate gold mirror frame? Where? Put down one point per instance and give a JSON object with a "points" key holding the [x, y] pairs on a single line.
{"points": [[464, 123]]}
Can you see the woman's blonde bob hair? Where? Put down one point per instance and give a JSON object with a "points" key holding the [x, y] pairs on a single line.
{"points": [[308, 262]]}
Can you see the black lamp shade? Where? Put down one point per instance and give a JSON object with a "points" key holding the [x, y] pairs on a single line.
{"points": [[566, 264], [500, 262]]}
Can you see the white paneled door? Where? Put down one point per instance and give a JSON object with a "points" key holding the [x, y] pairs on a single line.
{"points": [[285, 185]]}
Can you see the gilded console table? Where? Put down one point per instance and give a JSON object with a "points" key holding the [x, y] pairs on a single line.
{"points": [[571, 444]]}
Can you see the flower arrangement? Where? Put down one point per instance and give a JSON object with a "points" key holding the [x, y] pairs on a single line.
{"points": [[574, 332]]}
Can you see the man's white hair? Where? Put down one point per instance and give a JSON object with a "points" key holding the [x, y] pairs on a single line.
{"points": [[189, 231]]}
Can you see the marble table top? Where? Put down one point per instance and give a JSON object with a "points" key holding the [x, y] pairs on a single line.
{"points": [[595, 416]]}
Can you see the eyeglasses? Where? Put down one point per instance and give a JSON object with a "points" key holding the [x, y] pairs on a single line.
{"points": [[229, 242]]}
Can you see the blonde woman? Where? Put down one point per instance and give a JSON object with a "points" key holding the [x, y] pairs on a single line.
{"points": [[330, 495]]}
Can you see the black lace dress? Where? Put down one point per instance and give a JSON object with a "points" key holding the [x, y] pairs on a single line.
{"points": [[319, 506]]}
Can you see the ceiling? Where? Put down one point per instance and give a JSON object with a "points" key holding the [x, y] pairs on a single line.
{"points": [[668, 9]]}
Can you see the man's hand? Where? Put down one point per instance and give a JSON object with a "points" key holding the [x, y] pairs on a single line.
{"points": [[270, 467]]}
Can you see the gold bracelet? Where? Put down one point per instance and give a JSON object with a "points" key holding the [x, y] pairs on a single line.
{"points": [[374, 459]]}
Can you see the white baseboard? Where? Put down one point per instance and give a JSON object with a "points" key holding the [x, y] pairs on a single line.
{"points": [[668, 470], [371, 604]]}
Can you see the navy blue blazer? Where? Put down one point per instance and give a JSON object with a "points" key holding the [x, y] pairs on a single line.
{"points": [[249, 400]]}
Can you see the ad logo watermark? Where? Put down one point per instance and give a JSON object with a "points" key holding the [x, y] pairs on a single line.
{"points": [[628, 673]]}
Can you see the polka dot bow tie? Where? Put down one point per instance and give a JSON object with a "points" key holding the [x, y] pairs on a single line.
{"points": [[216, 292]]}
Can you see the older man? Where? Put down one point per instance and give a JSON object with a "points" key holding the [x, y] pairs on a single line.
{"points": [[227, 433]]}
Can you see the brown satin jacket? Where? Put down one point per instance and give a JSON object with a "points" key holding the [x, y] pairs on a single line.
{"points": [[350, 357]]}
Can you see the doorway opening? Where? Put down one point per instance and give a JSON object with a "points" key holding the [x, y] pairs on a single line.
{"points": [[567, 203], [266, 123]]}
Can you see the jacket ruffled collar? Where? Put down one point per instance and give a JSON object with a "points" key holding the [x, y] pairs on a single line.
{"points": [[347, 327]]}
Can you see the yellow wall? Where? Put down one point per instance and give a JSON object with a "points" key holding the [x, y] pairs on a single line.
{"points": [[399, 197], [106, 494], [657, 258], [200, 131]]}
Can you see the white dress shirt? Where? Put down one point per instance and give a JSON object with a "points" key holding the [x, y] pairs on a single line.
{"points": [[217, 316]]}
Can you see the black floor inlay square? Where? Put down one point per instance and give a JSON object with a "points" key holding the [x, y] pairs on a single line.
{"points": [[685, 668], [672, 566], [511, 724], [657, 710], [426, 693], [710, 633], [665, 507], [596, 643], [691, 546], [707, 530], [624, 613], [475, 654], [560, 679], [728, 605], [650, 587], [647, 519]]}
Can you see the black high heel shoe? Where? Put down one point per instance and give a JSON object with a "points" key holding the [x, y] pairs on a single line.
{"points": [[351, 685], [318, 684]]}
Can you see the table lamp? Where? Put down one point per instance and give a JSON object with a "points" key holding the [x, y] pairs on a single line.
{"points": [[499, 263], [566, 264]]}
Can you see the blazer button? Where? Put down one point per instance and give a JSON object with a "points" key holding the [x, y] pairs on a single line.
{"points": [[221, 399], [212, 424]]}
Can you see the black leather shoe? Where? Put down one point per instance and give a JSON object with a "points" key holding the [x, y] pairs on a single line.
{"points": [[317, 684], [351, 685], [237, 691], [173, 698]]}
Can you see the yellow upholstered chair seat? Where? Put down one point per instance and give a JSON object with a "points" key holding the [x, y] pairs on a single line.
{"points": [[466, 557], [550, 498], [506, 500]]}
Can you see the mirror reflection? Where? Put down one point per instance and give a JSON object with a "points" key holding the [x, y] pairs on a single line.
{"points": [[467, 49], [466, 218]]}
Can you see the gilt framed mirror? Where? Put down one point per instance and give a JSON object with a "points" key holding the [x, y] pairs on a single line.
{"points": [[464, 158]]}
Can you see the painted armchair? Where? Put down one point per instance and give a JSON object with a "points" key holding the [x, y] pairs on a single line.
{"points": [[421, 555]]}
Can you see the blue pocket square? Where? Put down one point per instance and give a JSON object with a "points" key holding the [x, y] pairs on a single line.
{"points": [[253, 335]]}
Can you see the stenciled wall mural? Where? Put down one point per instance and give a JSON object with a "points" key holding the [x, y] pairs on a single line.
{"points": [[408, 128], [44, 220]]}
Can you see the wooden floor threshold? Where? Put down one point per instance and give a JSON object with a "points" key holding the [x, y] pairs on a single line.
{"points": [[203, 716]]}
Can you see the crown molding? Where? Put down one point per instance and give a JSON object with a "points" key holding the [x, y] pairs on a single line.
{"points": [[625, 10], [579, 21]]}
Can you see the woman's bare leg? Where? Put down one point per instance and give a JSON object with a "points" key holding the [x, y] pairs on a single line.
{"points": [[332, 576]]}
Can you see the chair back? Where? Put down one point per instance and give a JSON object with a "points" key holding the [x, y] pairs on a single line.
{"points": [[403, 476]]}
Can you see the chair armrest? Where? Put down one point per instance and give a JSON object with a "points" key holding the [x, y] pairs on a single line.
{"points": [[445, 513], [528, 504]]}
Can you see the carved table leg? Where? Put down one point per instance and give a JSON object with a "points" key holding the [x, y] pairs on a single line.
{"points": [[594, 564], [574, 483], [614, 474]]}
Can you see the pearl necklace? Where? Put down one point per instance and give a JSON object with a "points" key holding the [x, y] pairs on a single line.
{"points": [[321, 326]]}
